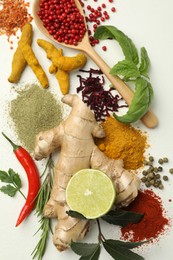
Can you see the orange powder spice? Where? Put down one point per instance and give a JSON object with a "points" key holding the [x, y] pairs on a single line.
{"points": [[123, 142]]}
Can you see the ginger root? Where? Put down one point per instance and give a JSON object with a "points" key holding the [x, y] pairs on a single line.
{"points": [[75, 136], [18, 62]]}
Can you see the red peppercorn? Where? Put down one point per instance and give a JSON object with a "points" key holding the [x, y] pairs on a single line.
{"points": [[64, 16], [113, 9]]}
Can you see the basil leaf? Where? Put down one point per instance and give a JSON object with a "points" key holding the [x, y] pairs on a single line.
{"points": [[126, 68], [75, 214], [119, 252], [145, 62], [140, 102], [129, 245], [122, 217], [4, 177], [84, 249], [128, 47], [9, 190]]}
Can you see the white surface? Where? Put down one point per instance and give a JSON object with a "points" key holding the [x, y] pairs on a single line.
{"points": [[147, 23]]}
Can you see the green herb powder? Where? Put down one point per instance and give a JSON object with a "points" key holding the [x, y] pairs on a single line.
{"points": [[34, 110]]}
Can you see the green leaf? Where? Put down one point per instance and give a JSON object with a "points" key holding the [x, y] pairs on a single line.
{"points": [[4, 177], [140, 102], [15, 178], [94, 256], [75, 214], [122, 217], [126, 68], [145, 62], [84, 249], [128, 47], [9, 190], [119, 252], [129, 245]]}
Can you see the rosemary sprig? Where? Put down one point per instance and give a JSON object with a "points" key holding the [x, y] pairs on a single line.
{"points": [[42, 199]]}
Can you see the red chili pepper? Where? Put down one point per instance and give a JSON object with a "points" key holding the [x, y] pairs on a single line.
{"points": [[33, 179]]}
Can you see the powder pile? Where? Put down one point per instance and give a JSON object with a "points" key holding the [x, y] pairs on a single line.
{"points": [[123, 142], [34, 110], [154, 222]]}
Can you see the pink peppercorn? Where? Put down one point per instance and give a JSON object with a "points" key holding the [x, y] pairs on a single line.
{"points": [[104, 48], [113, 9], [63, 16]]}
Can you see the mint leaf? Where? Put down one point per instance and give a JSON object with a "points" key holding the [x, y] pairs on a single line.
{"points": [[75, 214], [128, 47], [84, 249], [122, 217], [145, 62], [126, 68], [9, 190], [140, 102], [119, 252]]}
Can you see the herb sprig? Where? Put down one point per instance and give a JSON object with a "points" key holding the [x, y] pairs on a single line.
{"points": [[42, 199], [133, 69], [117, 249], [13, 183]]}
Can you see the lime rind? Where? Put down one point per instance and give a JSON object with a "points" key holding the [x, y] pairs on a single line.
{"points": [[91, 193]]}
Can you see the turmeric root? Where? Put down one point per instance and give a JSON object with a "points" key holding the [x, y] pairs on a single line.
{"points": [[63, 80], [71, 63], [18, 61], [78, 151], [34, 64], [52, 69], [54, 54]]}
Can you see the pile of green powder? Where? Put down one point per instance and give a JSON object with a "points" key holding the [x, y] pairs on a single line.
{"points": [[34, 110]]}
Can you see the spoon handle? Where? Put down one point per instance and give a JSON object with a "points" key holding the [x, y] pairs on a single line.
{"points": [[149, 119]]}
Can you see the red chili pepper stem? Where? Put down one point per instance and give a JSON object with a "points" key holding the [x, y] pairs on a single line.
{"points": [[15, 146]]}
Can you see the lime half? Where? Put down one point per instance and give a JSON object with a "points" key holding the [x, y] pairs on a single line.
{"points": [[91, 193]]}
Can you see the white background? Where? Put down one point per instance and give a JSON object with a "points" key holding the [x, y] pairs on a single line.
{"points": [[147, 23]]}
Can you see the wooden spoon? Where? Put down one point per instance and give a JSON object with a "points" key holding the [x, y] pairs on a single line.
{"points": [[149, 119]]}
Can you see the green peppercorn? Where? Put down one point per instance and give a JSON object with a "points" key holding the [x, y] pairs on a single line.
{"points": [[171, 170], [144, 179], [157, 176], [151, 175], [165, 178], [160, 161], [160, 168], [152, 182], [161, 186], [145, 162], [165, 159], [147, 184], [144, 172], [156, 185], [151, 158], [155, 169]]}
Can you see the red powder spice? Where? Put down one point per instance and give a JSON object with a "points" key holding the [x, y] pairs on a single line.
{"points": [[153, 223]]}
